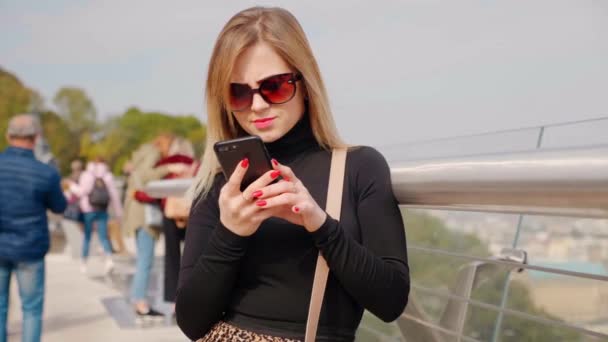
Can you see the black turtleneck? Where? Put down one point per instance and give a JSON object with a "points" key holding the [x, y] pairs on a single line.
{"points": [[263, 282]]}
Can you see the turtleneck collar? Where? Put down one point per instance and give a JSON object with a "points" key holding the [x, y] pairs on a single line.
{"points": [[294, 143]]}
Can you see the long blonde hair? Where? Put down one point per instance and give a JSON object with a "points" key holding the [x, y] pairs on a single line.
{"points": [[281, 30]]}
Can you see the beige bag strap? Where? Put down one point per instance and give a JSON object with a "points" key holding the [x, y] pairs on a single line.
{"points": [[333, 207]]}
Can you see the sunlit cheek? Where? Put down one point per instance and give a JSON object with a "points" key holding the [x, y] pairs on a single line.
{"points": [[240, 118]]}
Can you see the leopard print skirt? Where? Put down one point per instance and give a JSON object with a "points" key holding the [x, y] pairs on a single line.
{"points": [[224, 332]]}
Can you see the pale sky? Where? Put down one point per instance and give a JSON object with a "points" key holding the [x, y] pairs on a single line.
{"points": [[396, 71]]}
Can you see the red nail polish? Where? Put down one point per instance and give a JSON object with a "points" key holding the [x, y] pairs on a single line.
{"points": [[275, 174], [275, 162], [285, 178], [260, 203], [257, 194], [245, 162], [296, 209]]}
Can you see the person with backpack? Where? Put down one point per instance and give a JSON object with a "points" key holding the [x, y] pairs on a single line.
{"points": [[97, 192]]}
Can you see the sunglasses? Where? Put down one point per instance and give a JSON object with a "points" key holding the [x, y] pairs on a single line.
{"points": [[275, 89]]}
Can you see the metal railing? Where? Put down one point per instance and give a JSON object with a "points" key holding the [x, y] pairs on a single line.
{"points": [[564, 182], [570, 182]]}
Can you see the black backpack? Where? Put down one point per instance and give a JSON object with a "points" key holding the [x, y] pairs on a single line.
{"points": [[99, 196]]}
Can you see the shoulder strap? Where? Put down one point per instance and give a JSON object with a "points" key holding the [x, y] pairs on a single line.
{"points": [[333, 207]]}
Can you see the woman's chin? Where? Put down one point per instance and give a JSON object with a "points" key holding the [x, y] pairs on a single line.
{"points": [[267, 136]]}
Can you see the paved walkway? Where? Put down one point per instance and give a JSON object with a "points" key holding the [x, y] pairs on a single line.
{"points": [[91, 307]]}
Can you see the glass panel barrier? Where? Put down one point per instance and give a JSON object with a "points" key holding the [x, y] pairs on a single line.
{"points": [[470, 233], [565, 299]]}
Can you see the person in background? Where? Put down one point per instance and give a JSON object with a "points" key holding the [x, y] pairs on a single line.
{"points": [[134, 223], [76, 169], [96, 191], [73, 212], [28, 188], [182, 165], [177, 154], [42, 151]]}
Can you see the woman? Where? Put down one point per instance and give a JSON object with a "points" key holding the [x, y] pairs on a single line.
{"points": [[177, 155], [96, 191], [250, 256], [143, 171]]}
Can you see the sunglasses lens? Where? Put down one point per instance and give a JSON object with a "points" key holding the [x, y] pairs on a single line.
{"points": [[240, 96], [278, 89]]}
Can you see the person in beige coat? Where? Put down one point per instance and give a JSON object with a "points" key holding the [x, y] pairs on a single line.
{"points": [[142, 171]]}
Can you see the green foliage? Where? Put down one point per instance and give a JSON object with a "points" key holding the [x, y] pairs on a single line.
{"points": [[481, 322], [122, 135], [15, 98], [75, 107], [428, 231], [74, 131], [436, 271], [433, 270], [60, 139]]}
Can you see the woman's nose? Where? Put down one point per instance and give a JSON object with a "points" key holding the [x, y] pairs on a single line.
{"points": [[258, 104]]}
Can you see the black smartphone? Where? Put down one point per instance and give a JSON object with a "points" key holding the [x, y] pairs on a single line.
{"points": [[231, 152]]}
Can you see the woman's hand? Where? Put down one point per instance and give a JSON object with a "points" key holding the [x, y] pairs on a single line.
{"points": [[290, 200], [240, 212]]}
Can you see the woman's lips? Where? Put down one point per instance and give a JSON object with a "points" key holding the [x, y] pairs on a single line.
{"points": [[263, 123]]}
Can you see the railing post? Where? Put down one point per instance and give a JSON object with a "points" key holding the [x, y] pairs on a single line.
{"points": [[505, 290]]}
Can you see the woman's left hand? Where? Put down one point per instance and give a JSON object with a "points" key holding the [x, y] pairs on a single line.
{"points": [[291, 201]]}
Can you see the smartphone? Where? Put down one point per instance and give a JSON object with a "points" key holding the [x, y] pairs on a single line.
{"points": [[231, 152]]}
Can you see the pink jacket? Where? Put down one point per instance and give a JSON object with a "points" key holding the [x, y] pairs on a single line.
{"points": [[85, 186]]}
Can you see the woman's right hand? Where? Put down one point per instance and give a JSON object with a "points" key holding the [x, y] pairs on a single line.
{"points": [[238, 210]]}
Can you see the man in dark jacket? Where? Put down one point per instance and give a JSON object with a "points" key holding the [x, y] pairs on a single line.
{"points": [[28, 188]]}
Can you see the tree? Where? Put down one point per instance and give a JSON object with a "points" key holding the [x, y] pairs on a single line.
{"points": [[36, 104], [15, 98], [73, 131], [432, 270], [439, 272], [60, 140], [120, 136], [78, 111]]}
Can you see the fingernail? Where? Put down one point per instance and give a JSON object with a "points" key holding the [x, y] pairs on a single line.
{"points": [[257, 194], [275, 162], [296, 209], [245, 162], [275, 174], [286, 178], [260, 203]]}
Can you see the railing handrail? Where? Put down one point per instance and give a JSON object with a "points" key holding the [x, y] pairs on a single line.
{"points": [[568, 182]]}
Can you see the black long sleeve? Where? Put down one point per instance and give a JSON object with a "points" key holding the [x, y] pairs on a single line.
{"points": [[209, 268], [378, 265], [263, 282]]}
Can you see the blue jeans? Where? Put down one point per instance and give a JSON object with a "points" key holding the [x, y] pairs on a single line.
{"points": [[30, 278], [101, 217], [145, 257]]}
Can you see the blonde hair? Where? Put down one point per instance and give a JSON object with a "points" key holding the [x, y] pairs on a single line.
{"points": [[280, 29]]}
